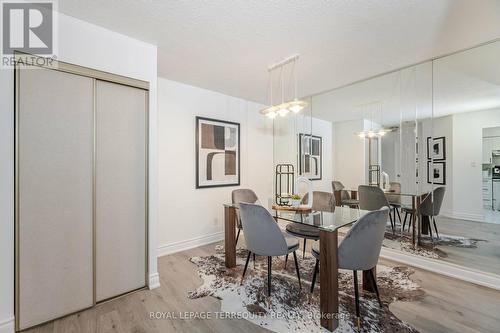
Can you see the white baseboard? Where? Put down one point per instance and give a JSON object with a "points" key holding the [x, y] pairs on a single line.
{"points": [[7, 325], [443, 268], [189, 243], [154, 281], [462, 215]]}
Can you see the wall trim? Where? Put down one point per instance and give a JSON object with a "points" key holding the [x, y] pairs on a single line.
{"points": [[187, 244], [462, 216], [154, 281], [443, 268], [7, 325]]}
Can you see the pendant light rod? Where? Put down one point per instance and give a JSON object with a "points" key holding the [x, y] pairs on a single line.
{"points": [[283, 62]]}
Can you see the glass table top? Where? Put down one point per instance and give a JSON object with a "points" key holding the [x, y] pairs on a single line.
{"points": [[343, 216], [328, 221]]}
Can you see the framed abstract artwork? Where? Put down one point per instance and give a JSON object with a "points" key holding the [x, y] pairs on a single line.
{"points": [[436, 149], [310, 156], [436, 172], [217, 153]]}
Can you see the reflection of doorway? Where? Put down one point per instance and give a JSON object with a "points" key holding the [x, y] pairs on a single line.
{"points": [[491, 174]]}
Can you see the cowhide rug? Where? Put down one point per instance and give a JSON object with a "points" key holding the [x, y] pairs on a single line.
{"points": [[428, 247], [292, 309]]}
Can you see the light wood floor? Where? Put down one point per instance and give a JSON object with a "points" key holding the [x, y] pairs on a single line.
{"points": [[449, 306]]}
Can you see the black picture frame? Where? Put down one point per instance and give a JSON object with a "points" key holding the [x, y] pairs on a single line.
{"points": [[442, 166], [320, 164], [197, 151], [441, 141]]}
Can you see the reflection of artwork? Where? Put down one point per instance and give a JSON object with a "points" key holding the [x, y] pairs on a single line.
{"points": [[310, 156], [436, 172], [436, 149], [217, 153]]}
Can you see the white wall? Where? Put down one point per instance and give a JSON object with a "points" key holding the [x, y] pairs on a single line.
{"points": [[438, 127], [190, 217], [349, 153], [87, 45], [467, 161]]}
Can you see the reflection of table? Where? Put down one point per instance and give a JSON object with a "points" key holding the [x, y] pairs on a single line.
{"points": [[328, 224], [419, 223]]}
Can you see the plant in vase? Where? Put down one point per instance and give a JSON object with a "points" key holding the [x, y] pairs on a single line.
{"points": [[295, 200]]}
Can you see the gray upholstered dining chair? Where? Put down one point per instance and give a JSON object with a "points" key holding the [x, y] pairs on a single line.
{"points": [[345, 197], [360, 249], [322, 202], [263, 237], [430, 206], [395, 199], [242, 195], [373, 198]]}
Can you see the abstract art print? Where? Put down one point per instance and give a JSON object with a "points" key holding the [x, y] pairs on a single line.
{"points": [[217, 153], [310, 156], [436, 172]]}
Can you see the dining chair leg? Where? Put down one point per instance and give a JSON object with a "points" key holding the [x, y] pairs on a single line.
{"points": [[430, 231], [304, 249], [435, 227], [253, 260], [313, 282], [246, 266], [374, 281], [356, 297], [392, 223], [404, 222], [297, 268], [399, 215], [269, 261], [286, 259], [237, 236]]}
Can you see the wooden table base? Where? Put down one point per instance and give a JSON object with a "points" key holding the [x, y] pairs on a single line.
{"points": [[329, 284], [230, 236], [367, 282]]}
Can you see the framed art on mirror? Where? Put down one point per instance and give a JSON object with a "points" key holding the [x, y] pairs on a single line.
{"points": [[436, 148], [310, 156], [436, 172], [217, 153]]}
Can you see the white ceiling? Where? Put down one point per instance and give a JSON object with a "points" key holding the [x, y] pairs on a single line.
{"points": [[226, 46]]}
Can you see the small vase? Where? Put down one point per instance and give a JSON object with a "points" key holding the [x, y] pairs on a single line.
{"points": [[295, 203]]}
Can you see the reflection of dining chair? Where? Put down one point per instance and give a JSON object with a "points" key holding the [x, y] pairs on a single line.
{"points": [[395, 199], [238, 196], [345, 197], [322, 202], [373, 198], [430, 206], [360, 249], [263, 237]]}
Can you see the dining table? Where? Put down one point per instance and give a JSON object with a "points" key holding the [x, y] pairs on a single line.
{"points": [[420, 224], [328, 224]]}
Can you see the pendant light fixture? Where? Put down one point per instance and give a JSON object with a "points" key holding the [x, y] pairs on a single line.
{"points": [[374, 133], [285, 107]]}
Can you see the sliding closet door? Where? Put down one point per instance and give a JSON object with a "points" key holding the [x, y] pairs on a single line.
{"points": [[54, 195], [120, 189]]}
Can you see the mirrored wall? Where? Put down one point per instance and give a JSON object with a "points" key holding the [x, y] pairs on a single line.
{"points": [[429, 137]]}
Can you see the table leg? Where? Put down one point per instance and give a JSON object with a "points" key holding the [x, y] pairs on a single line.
{"points": [[338, 197], [367, 281], [329, 284], [425, 224], [413, 220], [354, 194], [230, 237], [419, 201]]}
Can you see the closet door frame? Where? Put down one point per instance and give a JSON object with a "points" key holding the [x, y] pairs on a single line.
{"points": [[95, 75]]}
